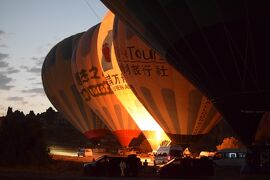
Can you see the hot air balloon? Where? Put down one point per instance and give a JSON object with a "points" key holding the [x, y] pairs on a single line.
{"points": [[96, 92], [219, 46], [60, 89], [263, 133], [179, 108], [106, 55]]}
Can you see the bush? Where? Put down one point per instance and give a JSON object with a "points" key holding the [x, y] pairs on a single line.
{"points": [[229, 142]]}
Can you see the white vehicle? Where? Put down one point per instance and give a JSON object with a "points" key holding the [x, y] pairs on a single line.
{"points": [[127, 151], [208, 154], [167, 153], [230, 157], [85, 152]]}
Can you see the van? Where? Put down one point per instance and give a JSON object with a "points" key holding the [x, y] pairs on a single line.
{"points": [[230, 157], [85, 152], [166, 153]]}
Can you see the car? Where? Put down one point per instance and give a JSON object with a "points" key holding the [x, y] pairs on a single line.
{"points": [[166, 153], [110, 166], [230, 157], [85, 152], [187, 167]]}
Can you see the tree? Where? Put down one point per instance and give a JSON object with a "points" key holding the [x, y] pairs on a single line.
{"points": [[229, 142]]}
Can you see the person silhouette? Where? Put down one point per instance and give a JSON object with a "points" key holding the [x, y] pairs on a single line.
{"points": [[123, 167], [145, 163]]}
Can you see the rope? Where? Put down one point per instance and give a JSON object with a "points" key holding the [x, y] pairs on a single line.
{"points": [[93, 11]]}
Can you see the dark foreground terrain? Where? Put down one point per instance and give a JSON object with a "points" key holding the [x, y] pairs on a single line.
{"points": [[63, 167]]}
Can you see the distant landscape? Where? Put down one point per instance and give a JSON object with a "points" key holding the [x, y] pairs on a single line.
{"points": [[25, 139], [58, 131]]}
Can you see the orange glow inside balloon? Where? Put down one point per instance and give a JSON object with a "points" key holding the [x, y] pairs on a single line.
{"points": [[114, 77]]}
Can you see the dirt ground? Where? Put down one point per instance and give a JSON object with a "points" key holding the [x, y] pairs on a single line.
{"points": [[66, 167], [73, 158], [58, 166]]}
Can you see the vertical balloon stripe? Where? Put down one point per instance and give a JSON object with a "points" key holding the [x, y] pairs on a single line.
{"points": [[66, 49], [169, 100], [148, 96], [195, 100], [115, 29], [209, 117], [113, 124], [119, 115], [45, 80], [50, 58], [129, 123], [212, 123], [201, 116], [263, 129], [204, 110], [132, 125], [81, 107], [86, 48], [95, 120], [68, 105], [97, 112]]}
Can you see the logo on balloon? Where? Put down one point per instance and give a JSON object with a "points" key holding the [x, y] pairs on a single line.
{"points": [[106, 52]]}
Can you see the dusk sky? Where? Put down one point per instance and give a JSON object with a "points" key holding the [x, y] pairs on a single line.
{"points": [[28, 30]]}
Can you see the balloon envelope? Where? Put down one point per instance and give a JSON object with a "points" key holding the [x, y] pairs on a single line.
{"points": [[263, 133], [179, 108], [96, 92], [114, 77], [60, 89], [220, 46]]}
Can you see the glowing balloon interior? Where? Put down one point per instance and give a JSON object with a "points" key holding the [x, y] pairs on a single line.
{"points": [[121, 89]]}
